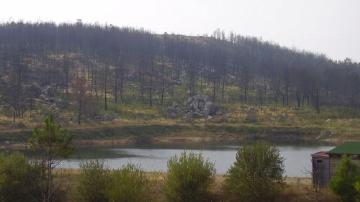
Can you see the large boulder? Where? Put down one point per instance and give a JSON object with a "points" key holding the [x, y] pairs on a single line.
{"points": [[201, 106], [48, 92]]}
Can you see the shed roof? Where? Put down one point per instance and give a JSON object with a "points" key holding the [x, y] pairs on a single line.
{"points": [[347, 148], [321, 154]]}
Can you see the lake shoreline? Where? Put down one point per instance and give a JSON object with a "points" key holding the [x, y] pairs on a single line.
{"points": [[174, 140], [175, 134], [297, 159]]}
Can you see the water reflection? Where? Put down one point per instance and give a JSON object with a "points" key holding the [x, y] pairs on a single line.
{"points": [[297, 158]]}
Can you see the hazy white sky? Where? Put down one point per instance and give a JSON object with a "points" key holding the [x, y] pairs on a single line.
{"points": [[331, 27]]}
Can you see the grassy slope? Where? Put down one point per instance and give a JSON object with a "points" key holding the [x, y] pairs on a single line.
{"points": [[140, 124]]}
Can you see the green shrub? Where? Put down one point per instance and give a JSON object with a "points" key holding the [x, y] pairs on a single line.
{"points": [[128, 184], [357, 187], [52, 142], [257, 174], [189, 177], [345, 181], [93, 182], [20, 181]]}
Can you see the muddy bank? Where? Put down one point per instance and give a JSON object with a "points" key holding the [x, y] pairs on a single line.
{"points": [[175, 135], [188, 139]]}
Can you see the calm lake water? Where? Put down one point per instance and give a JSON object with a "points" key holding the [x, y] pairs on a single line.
{"points": [[297, 158]]}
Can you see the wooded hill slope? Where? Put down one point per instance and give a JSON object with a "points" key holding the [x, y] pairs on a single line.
{"points": [[83, 69]]}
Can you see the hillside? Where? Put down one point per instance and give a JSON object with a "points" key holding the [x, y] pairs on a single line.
{"points": [[106, 77]]}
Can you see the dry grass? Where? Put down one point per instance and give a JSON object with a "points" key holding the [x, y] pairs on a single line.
{"points": [[296, 189], [343, 124]]}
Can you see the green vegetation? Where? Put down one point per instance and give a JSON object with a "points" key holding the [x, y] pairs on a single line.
{"points": [[189, 178], [257, 174], [276, 124], [93, 182], [120, 82], [98, 184], [88, 79], [53, 142], [345, 183], [20, 181], [129, 184]]}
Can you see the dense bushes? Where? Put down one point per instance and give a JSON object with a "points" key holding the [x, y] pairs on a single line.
{"points": [[128, 184], [257, 174], [97, 184], [93, 182], [20, 181], [189, 177], [345, 183]]}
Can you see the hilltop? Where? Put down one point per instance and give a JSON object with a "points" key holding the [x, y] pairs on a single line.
{"points": [[122, 81]]}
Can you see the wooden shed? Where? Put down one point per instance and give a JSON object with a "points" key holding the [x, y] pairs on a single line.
{"points": [[324, 163], [320, 169]]}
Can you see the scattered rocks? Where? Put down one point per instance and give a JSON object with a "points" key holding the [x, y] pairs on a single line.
{"points": [[47, 93], [201, 106], [49, 99]]}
